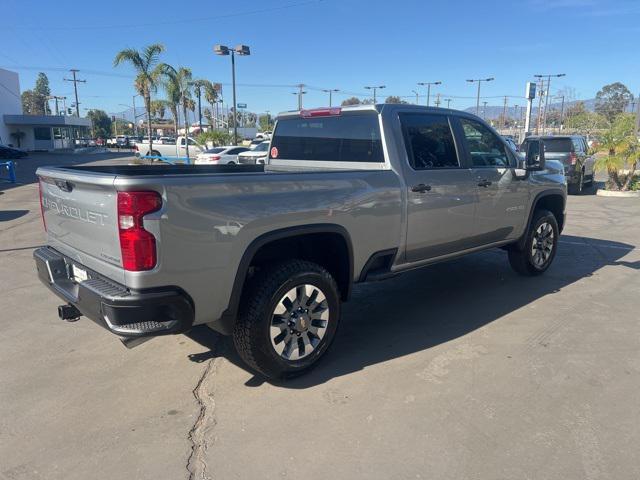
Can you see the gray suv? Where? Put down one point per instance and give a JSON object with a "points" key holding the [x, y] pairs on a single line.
{"points": [[268, 253], [572, 151]]}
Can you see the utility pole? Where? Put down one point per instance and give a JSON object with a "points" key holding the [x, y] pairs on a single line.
{"points": [[413, 91], [437, 102], [374, 88], [428, 85], [75, 88], [561, 111], [330, 92], [546, 93], [479, 81], [484, 110], [448, 100], [300, 93], [504, 113]]}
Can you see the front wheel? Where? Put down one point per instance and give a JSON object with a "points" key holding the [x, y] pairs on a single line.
{"points": [[540, 246], [288, 317]]}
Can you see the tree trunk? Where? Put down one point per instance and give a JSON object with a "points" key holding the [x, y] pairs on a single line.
{"points": [[147, 104], [629, 178], [186, 128]]}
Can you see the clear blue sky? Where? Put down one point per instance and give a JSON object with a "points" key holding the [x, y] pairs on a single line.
{"points": [[343, 44]]}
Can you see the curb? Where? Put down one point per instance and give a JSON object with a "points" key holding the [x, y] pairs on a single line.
{"points": [[615, 193]]}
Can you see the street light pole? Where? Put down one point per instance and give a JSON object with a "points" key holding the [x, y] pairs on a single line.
{"points": [[428, 85], [330, 91], [240, 50], [547, 92], [374, 88], [413, 91], [479, 81]]}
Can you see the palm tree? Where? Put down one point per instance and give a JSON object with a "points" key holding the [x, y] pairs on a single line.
{"points": [[178, 85], [210, 91], [620, 146], [158, 108], [146, 65]]}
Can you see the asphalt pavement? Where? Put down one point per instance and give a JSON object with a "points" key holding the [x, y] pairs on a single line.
{"points": [[463, 370]]}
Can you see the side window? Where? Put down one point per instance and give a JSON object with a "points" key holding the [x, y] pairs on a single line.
{"points": [[577, 145], [429, 141], [485, 148], [182, 141]]}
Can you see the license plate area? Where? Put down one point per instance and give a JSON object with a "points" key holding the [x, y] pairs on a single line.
{"points": [[78, 274]]}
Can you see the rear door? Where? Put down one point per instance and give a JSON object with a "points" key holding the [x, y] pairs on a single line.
{"points": [[501, 196], [442, 195]]}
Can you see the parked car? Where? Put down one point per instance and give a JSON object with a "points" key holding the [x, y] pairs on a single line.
{"points": [[264, 135], [268, 253], [220, 155], [572, 151], [11, 153], [257, 155], [169, 150]]}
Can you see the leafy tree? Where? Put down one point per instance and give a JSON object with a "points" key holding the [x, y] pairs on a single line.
{"points": [[180, 83], [148, 72], [394, 99], [622, 150], [351, 101], [42, 85], [101, 123], [612, 100], [32, 103], [265, 121], [579, 119], [215, 137]]}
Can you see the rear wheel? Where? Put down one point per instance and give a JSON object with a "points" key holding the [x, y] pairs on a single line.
{"points": [[288, 318], [540, 247]]}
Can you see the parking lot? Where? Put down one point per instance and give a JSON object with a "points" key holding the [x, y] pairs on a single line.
{"points": [[459, 371]]}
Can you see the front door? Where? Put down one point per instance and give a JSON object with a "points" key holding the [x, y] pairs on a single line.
{"points": [[502, 198], [442, 194]]}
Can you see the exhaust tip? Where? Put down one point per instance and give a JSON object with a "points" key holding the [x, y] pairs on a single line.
{"points": [[68, 313]]}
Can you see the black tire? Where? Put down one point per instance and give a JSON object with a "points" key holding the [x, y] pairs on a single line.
{"points": [[577, 188], [522, 261], [252, 331]]}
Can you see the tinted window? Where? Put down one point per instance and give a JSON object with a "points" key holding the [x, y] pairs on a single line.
{"points": [[235, 151], [342, 138], [429, 141], [42, 133], [558, 145], [214, 150], [578, 145], [485, 148], [263, 147]]}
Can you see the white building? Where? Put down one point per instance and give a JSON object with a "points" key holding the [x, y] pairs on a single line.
{"points": [[39, 132]]}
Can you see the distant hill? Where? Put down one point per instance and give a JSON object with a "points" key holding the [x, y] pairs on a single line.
{"points": [[494, 112]]}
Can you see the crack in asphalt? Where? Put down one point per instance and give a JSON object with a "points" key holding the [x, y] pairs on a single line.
{"points": [[199, 433]]}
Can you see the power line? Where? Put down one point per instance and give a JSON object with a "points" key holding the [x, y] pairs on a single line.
{"points": [[172, 22]]}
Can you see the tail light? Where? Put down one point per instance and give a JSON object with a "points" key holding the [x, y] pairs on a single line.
{"points": [[44, 222], [214, 157], [137, 245], [321, 112], [573, 158]]}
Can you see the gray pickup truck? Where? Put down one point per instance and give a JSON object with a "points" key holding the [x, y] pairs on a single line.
{"points": [[268, 253]]}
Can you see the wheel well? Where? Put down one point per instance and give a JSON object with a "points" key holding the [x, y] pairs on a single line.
{"points": [[330, 250], [555, 204]]}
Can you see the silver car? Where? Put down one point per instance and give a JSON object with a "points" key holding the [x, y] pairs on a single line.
{"points": [[220, 155]]}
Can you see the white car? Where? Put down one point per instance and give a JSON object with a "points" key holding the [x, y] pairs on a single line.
{"points": [[257, 156], [220, 155]]}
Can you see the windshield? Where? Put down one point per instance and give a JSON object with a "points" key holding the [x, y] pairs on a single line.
{"points": [[263, 147]]}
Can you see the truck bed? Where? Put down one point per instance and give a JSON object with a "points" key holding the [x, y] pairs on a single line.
{"points": [[153, 170]]}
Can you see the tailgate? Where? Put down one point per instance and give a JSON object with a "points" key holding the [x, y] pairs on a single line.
{"points": [[80, 213]]}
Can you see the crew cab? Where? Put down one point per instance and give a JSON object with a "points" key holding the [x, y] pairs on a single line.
{"points": [[267, 253], [179, 149]]}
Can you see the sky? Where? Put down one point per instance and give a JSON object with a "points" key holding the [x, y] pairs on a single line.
{"points": [[343, 44]]}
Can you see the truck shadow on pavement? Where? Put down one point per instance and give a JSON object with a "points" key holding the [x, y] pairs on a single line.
{"points": [[434, 305]]}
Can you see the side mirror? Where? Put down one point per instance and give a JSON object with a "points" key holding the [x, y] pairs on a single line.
{"points": [[534, 156]]}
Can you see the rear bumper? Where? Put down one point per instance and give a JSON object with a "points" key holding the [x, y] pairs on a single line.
{"points": [[123, 311]]}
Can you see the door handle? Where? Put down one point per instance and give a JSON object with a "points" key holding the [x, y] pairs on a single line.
{"points": [[484, 183], [421, 188]]}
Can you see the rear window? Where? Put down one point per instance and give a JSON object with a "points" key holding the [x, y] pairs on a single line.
{"points": [[554, 145], [214, 150], [343, 138]]}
